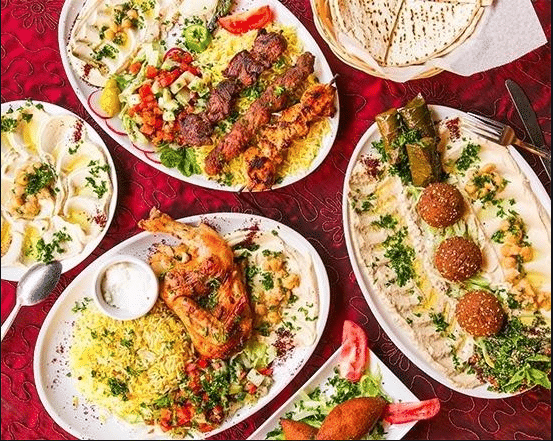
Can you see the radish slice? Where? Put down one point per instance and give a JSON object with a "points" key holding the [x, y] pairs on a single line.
{"points": [[115, 126], [399, 413], [154, 159], [144, 149], [94, 104]]}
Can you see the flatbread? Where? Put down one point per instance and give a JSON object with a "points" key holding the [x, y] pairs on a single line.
{"points": [[369, 22], [425, 28]]}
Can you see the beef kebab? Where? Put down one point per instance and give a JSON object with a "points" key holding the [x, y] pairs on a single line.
{"points": [[271, 147], [243, 70], [274, 99]]}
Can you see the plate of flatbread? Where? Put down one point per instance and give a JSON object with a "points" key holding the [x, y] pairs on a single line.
{"points": [[396, 33]]}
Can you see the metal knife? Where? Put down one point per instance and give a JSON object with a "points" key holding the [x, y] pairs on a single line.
{"points": [[529, 119]]}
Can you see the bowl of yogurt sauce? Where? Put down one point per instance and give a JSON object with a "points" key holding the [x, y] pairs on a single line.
{"points": [[126, 288]]}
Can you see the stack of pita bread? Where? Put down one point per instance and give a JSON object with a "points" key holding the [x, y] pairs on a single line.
{"points": [[396, 33]]}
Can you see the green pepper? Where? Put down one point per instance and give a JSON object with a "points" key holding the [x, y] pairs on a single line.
{"points": [[196, 37]]}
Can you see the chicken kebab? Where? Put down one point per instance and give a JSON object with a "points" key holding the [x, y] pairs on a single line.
{"points": [[243, 70], [266, 155]]}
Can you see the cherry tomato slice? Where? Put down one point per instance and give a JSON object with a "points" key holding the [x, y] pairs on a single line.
{"points": [[246, 21], [354, 356], [399, 413]]}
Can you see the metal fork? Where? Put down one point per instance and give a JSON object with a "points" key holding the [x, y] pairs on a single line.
{"points": [[501, 134]]}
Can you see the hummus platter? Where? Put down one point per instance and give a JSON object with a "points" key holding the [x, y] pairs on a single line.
{"points": [[222, 95], [58, 187], [449, 238], [169, 373]]}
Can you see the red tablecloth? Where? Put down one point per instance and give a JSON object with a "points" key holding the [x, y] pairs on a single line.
{"points": [[32, 68]]}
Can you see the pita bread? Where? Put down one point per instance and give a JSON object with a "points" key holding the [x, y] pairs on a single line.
{"points": [[369, 22], [398, 33], [424, 29]]}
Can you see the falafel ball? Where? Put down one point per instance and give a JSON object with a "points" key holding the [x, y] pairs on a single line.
{"points": [[458, 258], [440, 205], [480, 313]]}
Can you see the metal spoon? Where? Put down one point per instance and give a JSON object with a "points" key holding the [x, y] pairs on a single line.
{"points": [[34, 287]]}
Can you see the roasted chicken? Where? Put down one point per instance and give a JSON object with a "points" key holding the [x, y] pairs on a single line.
{"points": [[269, 151], [202, 284]]}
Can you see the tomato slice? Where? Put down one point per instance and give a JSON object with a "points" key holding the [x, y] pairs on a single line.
{"points": [[248, 20], [399, 413], [354, 356]]}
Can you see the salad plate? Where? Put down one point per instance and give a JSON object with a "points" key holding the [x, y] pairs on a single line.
{"points": [[85, 420], [147, 152], [391, 386], [398, 329]]}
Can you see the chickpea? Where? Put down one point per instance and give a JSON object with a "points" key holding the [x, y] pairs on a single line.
{"points": [[132, 13], [488, 168], [526, 253], [510, 250], [109, 34], [114, 28], [505, 225], [273, 317], [498, 180], [512, 275], [276, 264], [126, 23], [260, 309], [509, 262], [291, 282], [470, 188]]}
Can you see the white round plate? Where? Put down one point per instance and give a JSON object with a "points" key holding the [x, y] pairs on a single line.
{"points": [[14, 273], [400, 338], [56, 389], [69, 13]]}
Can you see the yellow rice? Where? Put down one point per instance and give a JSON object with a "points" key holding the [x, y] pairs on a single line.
{"points": [[156, 357]]}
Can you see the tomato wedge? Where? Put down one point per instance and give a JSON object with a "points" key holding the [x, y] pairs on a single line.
{"points": [[246, 21], [354, 356], [398, 413]]}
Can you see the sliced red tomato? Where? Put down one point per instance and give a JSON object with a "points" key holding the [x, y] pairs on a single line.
{"points": [[398, 413], [354, 356], [165, 419], [246, 21], [203, 363], [184, 414], [135, 67], [151, 72]]}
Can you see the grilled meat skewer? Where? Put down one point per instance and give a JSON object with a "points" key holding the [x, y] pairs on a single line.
{"points": [[243, 70], [273, 99], [269, 152]]}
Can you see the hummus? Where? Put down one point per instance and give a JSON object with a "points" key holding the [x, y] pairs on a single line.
{"points": [[397, 248], [56, 186], [282, 283]]}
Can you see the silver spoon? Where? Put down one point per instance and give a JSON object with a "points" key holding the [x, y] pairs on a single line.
{"points": [[34, 287]]}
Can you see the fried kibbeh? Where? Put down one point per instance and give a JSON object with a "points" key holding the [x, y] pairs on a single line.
{"points": [[352, 419], [297, 430]]}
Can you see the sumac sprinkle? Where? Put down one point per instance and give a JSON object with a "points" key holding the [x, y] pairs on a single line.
{"points": [[453, 127]]}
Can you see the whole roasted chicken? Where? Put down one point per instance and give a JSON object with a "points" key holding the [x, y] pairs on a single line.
{"points": [[202, 284]]}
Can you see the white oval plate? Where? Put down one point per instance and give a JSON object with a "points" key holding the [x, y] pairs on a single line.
{"points": [[400, 338], [69, 13], [51, 358], [14, 273], [391, 385]]}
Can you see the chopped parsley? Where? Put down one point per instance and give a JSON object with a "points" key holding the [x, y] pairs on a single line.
{"points": [[107, 51], [267, 281], [118, 387], [439, 321], [401, 256], [81, 306], [42, 177], [99, 188], [385, 221], [469, 155], [8, 124], [45, 251]]}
